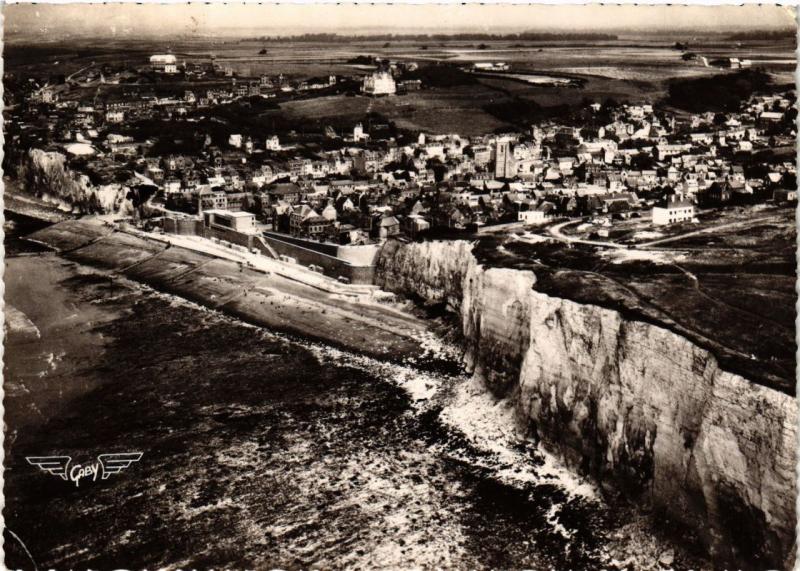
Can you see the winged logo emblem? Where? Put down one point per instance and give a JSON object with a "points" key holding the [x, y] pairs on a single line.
{"points": [[55, 465], [106, 465], [116, 463]]}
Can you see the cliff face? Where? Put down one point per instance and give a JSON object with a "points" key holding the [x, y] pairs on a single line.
{"points": [[637, 407], [46, 175]]}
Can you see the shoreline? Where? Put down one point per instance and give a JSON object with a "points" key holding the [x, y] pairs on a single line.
{"points": [[260, 394], [31, 206], [354, 320], [473, 439]]}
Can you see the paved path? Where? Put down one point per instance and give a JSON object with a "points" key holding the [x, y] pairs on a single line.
{"points": [[555, 232]]}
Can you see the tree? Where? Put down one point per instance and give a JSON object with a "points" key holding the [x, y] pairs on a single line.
{"points": [[610, 104]]}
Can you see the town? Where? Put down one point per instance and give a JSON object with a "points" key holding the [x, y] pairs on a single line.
{"points": [[356, 286], [315, 198]]}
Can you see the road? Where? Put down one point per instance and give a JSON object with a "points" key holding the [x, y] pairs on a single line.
{"points": [[81, 70], [555, 232]]}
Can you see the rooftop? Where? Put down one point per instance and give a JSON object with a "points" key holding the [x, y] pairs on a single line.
{"points": [[229, 213]]}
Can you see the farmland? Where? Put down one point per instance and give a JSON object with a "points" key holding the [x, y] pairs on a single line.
{"points": [[632, 69], [456, 109]]}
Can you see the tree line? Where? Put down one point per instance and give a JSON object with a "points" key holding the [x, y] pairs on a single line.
{"points": [[524, 36]]}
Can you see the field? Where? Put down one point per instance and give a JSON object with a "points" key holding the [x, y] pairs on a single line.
{"points": [[633, 69], [452, 110], [639, 230]]}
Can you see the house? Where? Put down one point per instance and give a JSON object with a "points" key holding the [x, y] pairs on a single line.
{"points": [[315, 227], [379, 83], [452, 218], [783, 195], [618, 201], [388, 226], [768, 117], [414, 225], [235, 140], [299, 217], [212, 200], [287, 191], [164, 63], [538, 215], [716, 195], [273, 143], [676, 210], [329, 213], [115, 117]]}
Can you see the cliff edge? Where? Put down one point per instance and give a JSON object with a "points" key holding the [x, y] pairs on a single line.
{"points": [[638, 407]]}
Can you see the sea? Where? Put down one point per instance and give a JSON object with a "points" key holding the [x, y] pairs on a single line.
{"points": [[262, 451]]}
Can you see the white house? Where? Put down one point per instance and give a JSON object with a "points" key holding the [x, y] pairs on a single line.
{"points": [[358, 133], [677, 210], [538, 215], [115, 117], [273, 143]]}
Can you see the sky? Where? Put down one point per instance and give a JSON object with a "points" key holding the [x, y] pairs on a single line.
{"points": [[288, 19]]}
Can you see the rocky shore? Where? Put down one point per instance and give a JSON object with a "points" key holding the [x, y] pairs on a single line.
{"points": [[639, 408]]}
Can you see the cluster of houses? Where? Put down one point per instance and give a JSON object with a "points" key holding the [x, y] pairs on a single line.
{"points": [[373, 183], [228, 86]]}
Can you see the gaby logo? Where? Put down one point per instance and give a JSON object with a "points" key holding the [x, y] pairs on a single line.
{"points": [[106, 465]]}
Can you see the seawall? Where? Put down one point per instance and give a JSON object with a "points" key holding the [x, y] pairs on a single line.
{"points": [[280, 299], [326, 258], [639, 408]]}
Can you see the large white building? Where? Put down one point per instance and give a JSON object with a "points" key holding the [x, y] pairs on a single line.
{"points": [[677, 210], [165, 63], [490, 66], [379, 83], [237, 221], [534, 216]]}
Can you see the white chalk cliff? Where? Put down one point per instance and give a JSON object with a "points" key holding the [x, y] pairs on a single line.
{"points": [[46, 175], [641, 409]]}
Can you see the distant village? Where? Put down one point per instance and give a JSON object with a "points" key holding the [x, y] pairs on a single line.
{"points": [[369, 184]]}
